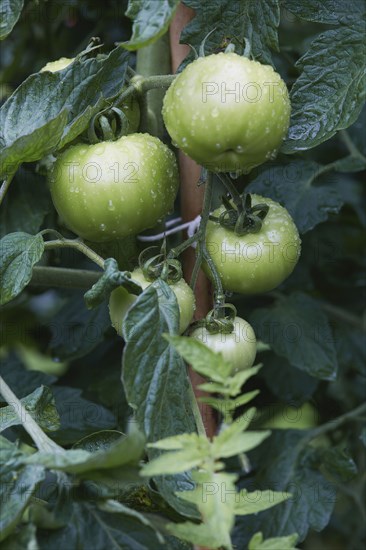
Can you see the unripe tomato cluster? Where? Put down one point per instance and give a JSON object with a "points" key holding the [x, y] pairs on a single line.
{"points": [[229, 114]]}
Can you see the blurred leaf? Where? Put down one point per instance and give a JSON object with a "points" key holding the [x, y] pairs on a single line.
{"points": [[94, 528], [285, 382], [17, 485], [150, 21], [10, 11], [339, 464], [18, 254], [297, 328], [216, 509], [79, 417], [247, 503], [41, 406], [181, 459], [294, 186], [287, 464], [277, 543], [25, 205], [201, 357], [22, 539], [22, 381], [126, 450], [76, 330]]}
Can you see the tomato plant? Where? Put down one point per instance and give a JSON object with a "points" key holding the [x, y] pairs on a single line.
{"points": [[113, 189], [237, 347], [120, 301], [255, 262], [227, 112], [158, 429]]}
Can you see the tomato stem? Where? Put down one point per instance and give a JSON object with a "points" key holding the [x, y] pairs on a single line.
{"points": [[42, 441], [78, 245], [5, 186], [202, 252], [231, 189]]}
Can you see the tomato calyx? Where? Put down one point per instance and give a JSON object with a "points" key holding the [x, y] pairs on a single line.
{"points": [[159, 266], [242, 217], [218, 320], [108, 125]]}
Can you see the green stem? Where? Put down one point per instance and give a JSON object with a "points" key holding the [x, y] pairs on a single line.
{"points": [[336, 423], [350, 145], [196, 412], [202, 252], [5, 186], [77, 245], [64, 277], [219, 291], [175, 252], [42, 441], [230, 188], [154, 82], [201, 233]]}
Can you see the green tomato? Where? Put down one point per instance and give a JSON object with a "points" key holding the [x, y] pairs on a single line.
{"points": [[238, 347], [228, 113], [114, 189], [129, 106], [255, 262], [120, 301]]}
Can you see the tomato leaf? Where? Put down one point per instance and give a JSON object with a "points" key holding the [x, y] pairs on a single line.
{"points": [[76, 330], [117, 526], [277, 543], [41, 406], [112, 278], [216, 509], [329, 94], [256, 20], [24, 538], [203, 360], [18, 254], [25, 205], [17, 486], [299, 186], [297, 328], [253, 502], [155, 378], [126, 450], [289, 464], [151, 20], [64, 102], [10, 11]]}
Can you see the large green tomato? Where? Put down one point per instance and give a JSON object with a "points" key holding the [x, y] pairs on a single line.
{"points": [[130, 106], [120, 301], [227, 112], [114, 189], [255, 262], [238, 347]]}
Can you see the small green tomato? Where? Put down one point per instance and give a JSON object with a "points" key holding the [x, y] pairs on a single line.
{"points": [[120, 301], [238, 347]]}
